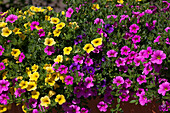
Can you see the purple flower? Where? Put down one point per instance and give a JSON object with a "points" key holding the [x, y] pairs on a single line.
{"points": [[18, 92], [78, 91], [87, 92], [141, 79], [163, 88], [2, 66], [108, 98], [68, 80], [4, 85], [91, 70], [1, 50], [63, 69], [74, 109], [151, 27], [102, 106], [109, 28], [3, 99], [34, 24], [11, 18], [21, 57], [78, 39], [112, 53], [127, 36], [165, 106], [125, 50], [74, 67], [88, 61], [136, 39], [69, 12], [49, 50], [133, 28], [157, 67], [41, 33], [158, 56], [33, 102], [89, 82], [118, 80]]}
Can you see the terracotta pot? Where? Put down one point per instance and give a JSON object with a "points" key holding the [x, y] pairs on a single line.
{"points": [[92, 104]]}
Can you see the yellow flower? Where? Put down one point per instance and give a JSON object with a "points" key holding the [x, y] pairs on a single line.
{"points": [[63, 12], [60, 25], [5, 61], [56, 32], [34, 76], [35, 94], [95, 6], [47, 17], [23, 108], [60, 99], [4, 74], [55, 76], [46, 65], [27, 25], [3, 108], [138, 0], [20, 77], [6, 32], [49, 33], [67, 50], [34, 67], [56, 86], [50, 81], [54, 20], [49, 70], [62, 77], [97, 42], [28, 71], [38, 27], [22, 36], [71, 24], [3, 24], [23, 84], [32, 8], [59, 59], [49, 8], [49, 42], [16, 31], [120, 1], [31, 86], [51, 93], [15, 52], [88, 48], [45, 101]]}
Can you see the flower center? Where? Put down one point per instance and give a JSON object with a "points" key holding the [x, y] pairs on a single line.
{"points": [[158, 57]]}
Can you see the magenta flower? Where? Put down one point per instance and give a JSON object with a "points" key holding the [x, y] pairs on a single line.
{"points": [[143, 100], [128, 83], [89, 82], [1, 50], [11, 18], [78, 59], [157, 40], [69, 12], [125, 50], [148, 52], [120, 62], [163, 88], [78, 91], [21, 57], [136, 39], [167, 28], [149, 11], [141, 79], [33, 102], [49, 50], [4, 85], [34, 24], [18, 92], [35, 111], [69, 80], [88, 61], [138, 59], [98, 21], [140, 92], [114, 16], [158, 56], [132, 55], [133, 28], [63, 69], [102, 106], [112, 53], [2, 66], [118, 80], [124, 97], [3, 99], [84, 110], [41, 33]]}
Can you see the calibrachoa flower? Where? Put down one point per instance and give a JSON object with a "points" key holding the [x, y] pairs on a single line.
{"points": [[141, 79], [125, 50], [84, 110], [140, 92], [118, 80], [88, 61], [124, 97], [34, 24], [88, 48], [78, 59], [98, 21], [78, 39], [109, 28], [33, 102], [69, 12], [49, 50], [41, 33], [143, 100], [74, 67], [4, 85], [11, 18], [133, 28], [158, 56], [6, 32], [2, 66], [63, 69], [69, 80], [1, 50], [21, 57], [3, 99], [120, 62], [112, 53], [18, 92], [89, 82], [102, 106], [136, 39], [163, 88], [60, 99], [90, 70]]}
